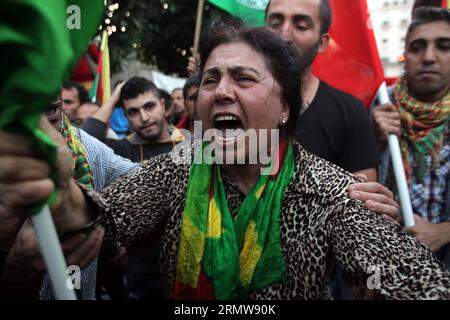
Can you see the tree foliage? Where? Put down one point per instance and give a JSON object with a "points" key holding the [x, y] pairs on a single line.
{"points": [[156, 32]]}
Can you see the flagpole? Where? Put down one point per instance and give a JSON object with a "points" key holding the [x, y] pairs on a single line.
{"points": [[52, 253], [198, 26], [399, 170]]}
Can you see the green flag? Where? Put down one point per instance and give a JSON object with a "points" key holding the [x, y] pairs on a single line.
{"points": [[250, 11], [40, 42]]}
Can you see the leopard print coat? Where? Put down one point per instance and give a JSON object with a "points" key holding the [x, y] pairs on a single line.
{"points": [[321, 227]]}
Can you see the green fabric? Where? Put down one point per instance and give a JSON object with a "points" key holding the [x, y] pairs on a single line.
{"points": [[38, 52], [81, 168], [250, 11], [239, 256]]}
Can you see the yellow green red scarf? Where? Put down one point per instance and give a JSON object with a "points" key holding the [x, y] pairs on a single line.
{"points": [[81, 168], [423, 126], [222, 258]]}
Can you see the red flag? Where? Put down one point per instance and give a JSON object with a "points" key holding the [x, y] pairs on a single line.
{"points": [[351, 62]]}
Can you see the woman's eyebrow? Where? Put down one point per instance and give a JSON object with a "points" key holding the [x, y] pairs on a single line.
{"points": [[212, 71], [237, 69], [231, 70]]}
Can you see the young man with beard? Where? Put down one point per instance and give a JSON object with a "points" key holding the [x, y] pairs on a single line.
{"points": [[420, 116], [146, 113], [333, 125]]}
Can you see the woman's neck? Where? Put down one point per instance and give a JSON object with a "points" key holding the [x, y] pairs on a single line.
{"points": [[245, 176]]}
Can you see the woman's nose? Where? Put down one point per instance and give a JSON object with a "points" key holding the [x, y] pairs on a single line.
{"points": [[224, 91]]}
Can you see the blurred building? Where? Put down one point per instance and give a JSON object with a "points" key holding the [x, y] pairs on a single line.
{"points": [[390, 20]]}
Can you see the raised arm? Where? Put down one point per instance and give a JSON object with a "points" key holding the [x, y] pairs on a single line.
{"points": [[104, 113], [97, 124]]}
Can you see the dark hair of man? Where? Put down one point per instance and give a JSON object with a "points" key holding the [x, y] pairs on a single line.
{"points": [[137, 86], [192, 81], [325, 15], [426, 3], [167, 98], [425, 15], [281, 58], [83, 95]]}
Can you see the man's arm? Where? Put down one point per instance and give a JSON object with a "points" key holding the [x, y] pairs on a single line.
{"points": [[106, 165], [362, 149], [97, 124], [97, 129], [383, 258], [433, 235], [386, 120], [103, 114]]}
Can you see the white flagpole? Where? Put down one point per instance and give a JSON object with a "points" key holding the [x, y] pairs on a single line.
{"points": [[399, 170], [53, 255]]}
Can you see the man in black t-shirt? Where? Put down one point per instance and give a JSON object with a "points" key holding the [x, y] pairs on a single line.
{"points": [[336, 127], [333, 125]]}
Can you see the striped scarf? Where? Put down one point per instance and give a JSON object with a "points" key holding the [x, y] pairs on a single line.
{"points": [[81, 168], [423, 125], [221, 258]]}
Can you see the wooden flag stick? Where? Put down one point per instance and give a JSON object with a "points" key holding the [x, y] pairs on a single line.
{"points": [[198, 26]]}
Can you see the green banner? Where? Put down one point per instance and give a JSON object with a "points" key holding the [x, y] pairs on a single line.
{"points": [[40, 42], [250, 11]]}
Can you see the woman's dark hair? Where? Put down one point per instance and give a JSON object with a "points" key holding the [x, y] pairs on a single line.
{"points": [[282, 59]]}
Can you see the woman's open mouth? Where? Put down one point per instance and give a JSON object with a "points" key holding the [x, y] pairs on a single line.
{"points": [[229, 126]]}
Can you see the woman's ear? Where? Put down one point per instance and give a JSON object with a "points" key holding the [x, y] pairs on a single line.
{"points": [[284, 117], [285, 112]]}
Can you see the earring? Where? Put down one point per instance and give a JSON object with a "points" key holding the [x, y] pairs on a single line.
{"points": [[283, 121]]}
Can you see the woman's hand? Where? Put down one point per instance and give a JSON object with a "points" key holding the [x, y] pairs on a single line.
{"points": [[24, 260], [24, 180], [193, 63]]}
